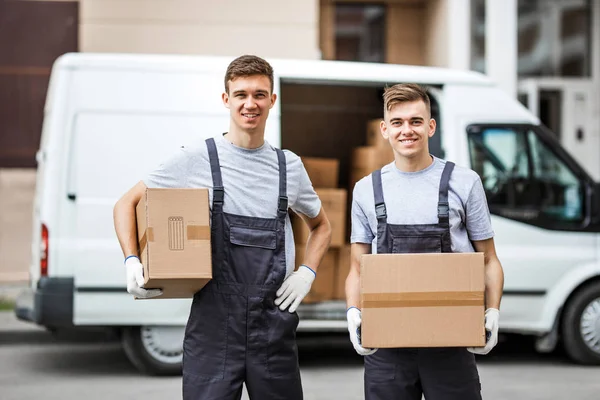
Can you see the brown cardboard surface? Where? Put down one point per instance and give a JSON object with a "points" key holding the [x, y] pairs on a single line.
{"points": [[422, 300], [322, 288], [323, 172], [374, 137], [341, 273], [371, 157], [174, 240], [334, 204]]}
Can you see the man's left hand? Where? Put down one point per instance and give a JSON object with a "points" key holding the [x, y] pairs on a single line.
{"points": [[492, 316], [295, 288]]}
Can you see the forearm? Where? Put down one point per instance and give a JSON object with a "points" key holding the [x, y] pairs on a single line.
{"points": [[494, 282], [317, 244], [126, 227], [353, 289]]}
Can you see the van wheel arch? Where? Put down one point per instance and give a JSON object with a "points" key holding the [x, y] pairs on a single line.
{"points": [[570, 318], [140, 353]]}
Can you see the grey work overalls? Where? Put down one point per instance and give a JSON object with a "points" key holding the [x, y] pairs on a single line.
{"points": [[407, 373], [235, 334]]}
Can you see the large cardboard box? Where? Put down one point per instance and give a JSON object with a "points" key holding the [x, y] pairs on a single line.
{"points": [[323, 287], [334, 204], [422, 300], [323, 172], [371, 157], [343, 268], [374, 137], [174, 240]]}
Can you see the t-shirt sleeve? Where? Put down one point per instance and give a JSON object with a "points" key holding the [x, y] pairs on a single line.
{"points": [[360, 229], [306, 201], [478, 220], [172, 173]]}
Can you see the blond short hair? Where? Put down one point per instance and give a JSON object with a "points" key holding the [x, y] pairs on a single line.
{"points": [[405, 92]]}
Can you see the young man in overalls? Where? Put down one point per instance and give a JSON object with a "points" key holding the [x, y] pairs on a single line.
{"points": [[242, 324], [407, 207]]}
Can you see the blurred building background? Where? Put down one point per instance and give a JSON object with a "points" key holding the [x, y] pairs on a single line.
{"points": [[546, 52]]}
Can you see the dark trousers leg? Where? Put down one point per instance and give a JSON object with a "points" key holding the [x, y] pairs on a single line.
{"points": [[263, 385], [449, 374], [196, 388], [392, 374]]}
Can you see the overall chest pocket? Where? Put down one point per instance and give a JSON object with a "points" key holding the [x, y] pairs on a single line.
{"points": [[417, 244], [252, 253]]}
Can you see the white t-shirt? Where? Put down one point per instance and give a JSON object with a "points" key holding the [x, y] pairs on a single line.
{"points": [[250, 178], [412, 198]]}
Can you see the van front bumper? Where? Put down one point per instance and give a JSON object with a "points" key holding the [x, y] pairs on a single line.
{"points": [[50, 305]]}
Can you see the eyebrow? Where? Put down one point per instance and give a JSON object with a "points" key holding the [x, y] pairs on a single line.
{"points": [[244, 92], [412, 119]]}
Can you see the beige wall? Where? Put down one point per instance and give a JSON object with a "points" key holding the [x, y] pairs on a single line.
{"points": [[270, 28], [405, 28], [16, 208], [436, 33]]}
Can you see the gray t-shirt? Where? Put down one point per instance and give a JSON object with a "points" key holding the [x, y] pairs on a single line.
{"points": [[250, 179], [412, 197]]}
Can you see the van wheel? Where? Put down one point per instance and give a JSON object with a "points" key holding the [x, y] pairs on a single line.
{"points": [[154, 350], [581, 326]]}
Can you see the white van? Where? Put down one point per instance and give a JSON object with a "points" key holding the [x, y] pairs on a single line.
{"points": [[110, 119]]}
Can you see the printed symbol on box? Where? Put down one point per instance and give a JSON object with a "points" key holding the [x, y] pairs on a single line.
{"points": [[176, 237]]}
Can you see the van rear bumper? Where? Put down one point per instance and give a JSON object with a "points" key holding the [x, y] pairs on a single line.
{"points": [[50, 305]]}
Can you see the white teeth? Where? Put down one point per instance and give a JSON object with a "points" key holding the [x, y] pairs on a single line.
{"points": [[408, 140]]}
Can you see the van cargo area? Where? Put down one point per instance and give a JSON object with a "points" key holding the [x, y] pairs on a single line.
{"points": [[329, 120]]}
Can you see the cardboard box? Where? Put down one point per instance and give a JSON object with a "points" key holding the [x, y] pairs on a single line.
{"points": [[323, 172], [422, 300], [371, 158], [174, 240], [374, 137], [334, 204], [323, 287], [341, 273]]}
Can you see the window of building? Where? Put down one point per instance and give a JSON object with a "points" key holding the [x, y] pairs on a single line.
{"points": [[360, 32], [554, 37], [478, 35]]}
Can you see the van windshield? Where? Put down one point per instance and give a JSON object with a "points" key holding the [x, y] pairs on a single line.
{"points": [[525, 178]]}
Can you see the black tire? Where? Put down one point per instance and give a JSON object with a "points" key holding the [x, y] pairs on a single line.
{"points": [[573, 342], [141, 358]]}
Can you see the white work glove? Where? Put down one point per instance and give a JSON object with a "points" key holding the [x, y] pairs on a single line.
{"points": [[354, 321], [135, 280], [492, 316], [295, 288]]}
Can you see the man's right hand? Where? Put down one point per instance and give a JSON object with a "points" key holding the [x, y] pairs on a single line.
{"points": [[354, 321], [135, 280]]}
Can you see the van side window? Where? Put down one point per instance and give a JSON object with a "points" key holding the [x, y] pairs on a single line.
{"points": [[524, 179]]}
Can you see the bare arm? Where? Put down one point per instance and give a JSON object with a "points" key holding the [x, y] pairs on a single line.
{"points": [[318, 239], [124, 219], [353, 279], [494, 275]]}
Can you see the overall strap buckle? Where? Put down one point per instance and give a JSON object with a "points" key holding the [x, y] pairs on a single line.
{"points": [[218, 195], [380, 211], [443, 209], [283, 204]]}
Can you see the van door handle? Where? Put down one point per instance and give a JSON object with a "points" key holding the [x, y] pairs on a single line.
{"points": [[71, 196]]}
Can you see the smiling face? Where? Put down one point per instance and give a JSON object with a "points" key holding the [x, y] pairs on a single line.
{"points": [[408, 126], [249, 100]]}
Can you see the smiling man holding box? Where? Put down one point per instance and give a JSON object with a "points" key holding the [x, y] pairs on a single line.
{"points": [[420, 204]]}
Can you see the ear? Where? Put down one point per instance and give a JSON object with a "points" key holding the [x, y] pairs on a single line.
{"points": [[432, 126], [383, 130], [225, 98], [273, 99]]}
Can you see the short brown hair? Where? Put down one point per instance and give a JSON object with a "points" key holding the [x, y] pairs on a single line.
{"points": [[248, 65], [405, 92]]}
